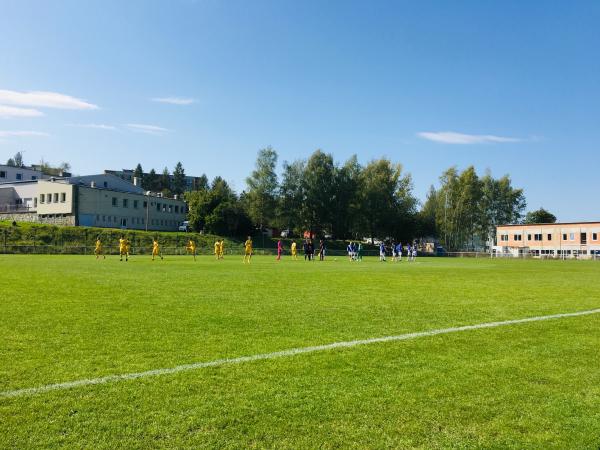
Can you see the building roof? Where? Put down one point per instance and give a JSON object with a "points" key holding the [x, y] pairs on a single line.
{"points": [[547, 224]]}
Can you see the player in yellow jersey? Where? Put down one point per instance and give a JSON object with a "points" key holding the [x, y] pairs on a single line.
{"points": [[98, 250], [191, 247], [123, 248], [222, 249], [217, 248], [248, 250], [294, 251], [156, 249], [127, 246]]}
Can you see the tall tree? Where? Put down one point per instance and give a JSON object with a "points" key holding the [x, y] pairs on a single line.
{"points": [[345, 198], [386, 199], [152, 181], [262, 188], [319, 192], [165, 182], [291, 197], [201, 183], [540, 216], [178, 184], [18, 158], [138, 173]]}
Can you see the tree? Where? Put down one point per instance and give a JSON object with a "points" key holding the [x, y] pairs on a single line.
{"points": [[165, 182], [387, 204], [139, 174], [16, 160], [319, 192], [262, 188], [291, 197], [201, 183], [540, 216], [217, 210], [347, 183], [178, 184], [152, 181]]}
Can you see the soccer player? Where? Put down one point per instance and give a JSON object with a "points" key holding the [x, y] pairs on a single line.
{"points": [[127, 246], [156, 249], [414, 253], [279, 249], [349, 250], [248, 250], [393, 247], [191, 247], [217, 249], [359, 252], [98, 250], [294, 251], [222, 249], [382, 252], [399, 251], [306, 250], [123, 248], [408, 252], [321, 250]]}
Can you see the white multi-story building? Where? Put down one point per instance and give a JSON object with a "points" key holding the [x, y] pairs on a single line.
{"points": [[95, 200]]}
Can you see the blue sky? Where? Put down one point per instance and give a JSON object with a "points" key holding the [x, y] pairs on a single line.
{"points": [[512, 86]]}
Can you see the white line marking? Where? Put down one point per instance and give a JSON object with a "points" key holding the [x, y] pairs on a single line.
{"points": [[280, 354]]}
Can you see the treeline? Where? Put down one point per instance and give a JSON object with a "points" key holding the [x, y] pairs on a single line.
{"points": [[465, 210], [165, 182], [353, 201], [317, 195]]}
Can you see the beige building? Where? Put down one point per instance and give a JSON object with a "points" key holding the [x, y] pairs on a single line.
{"points": [[95, 200], [555, 240]]}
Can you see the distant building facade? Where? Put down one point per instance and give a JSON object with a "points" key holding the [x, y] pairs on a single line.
{"points": [[191, 183], [95, 200], [555, 240]]}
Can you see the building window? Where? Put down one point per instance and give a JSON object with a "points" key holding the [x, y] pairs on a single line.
{"points": [[135, 204], [145, 204], [537, 237], [504, 237], [33, 177], [19, 176], [583, 238], [528, 237], [594, 236], [2, 174], [170, 208], [125, 203], [103, 218], [35, 202], [572, 236], [56, 197], [114, 201], [517, 237], [63, 197], [549, 236], [42, 198], [158, 207], [105, 184]]}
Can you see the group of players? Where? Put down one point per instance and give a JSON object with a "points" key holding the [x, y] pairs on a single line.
{"points": [[355, 250]]}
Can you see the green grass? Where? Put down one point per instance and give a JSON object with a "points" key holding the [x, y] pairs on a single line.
{"points": [[65, 318]]}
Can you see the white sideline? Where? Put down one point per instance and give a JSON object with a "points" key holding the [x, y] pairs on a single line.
{"points": [[280, 354]]}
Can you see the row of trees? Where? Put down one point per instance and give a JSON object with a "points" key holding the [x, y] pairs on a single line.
{"points": [[352, 201], [165, 182], [318, 195], [465, 210]]}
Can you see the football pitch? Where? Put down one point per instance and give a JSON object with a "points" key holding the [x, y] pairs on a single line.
{"points": [[205, 354]]}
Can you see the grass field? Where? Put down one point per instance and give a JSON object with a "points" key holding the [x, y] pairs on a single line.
{"points": [[530, 385]]}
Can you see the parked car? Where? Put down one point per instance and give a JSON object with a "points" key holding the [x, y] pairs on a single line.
{"points": [[185, 226]]}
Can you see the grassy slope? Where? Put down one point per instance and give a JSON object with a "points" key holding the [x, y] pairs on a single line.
{"points": [[526, 385]]}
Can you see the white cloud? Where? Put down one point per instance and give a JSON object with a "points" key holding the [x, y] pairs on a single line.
{"points": [[12, 111], [174, 100], [22, 134], [451, 137], [148, 129], [42, 99], [98, 126]]}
